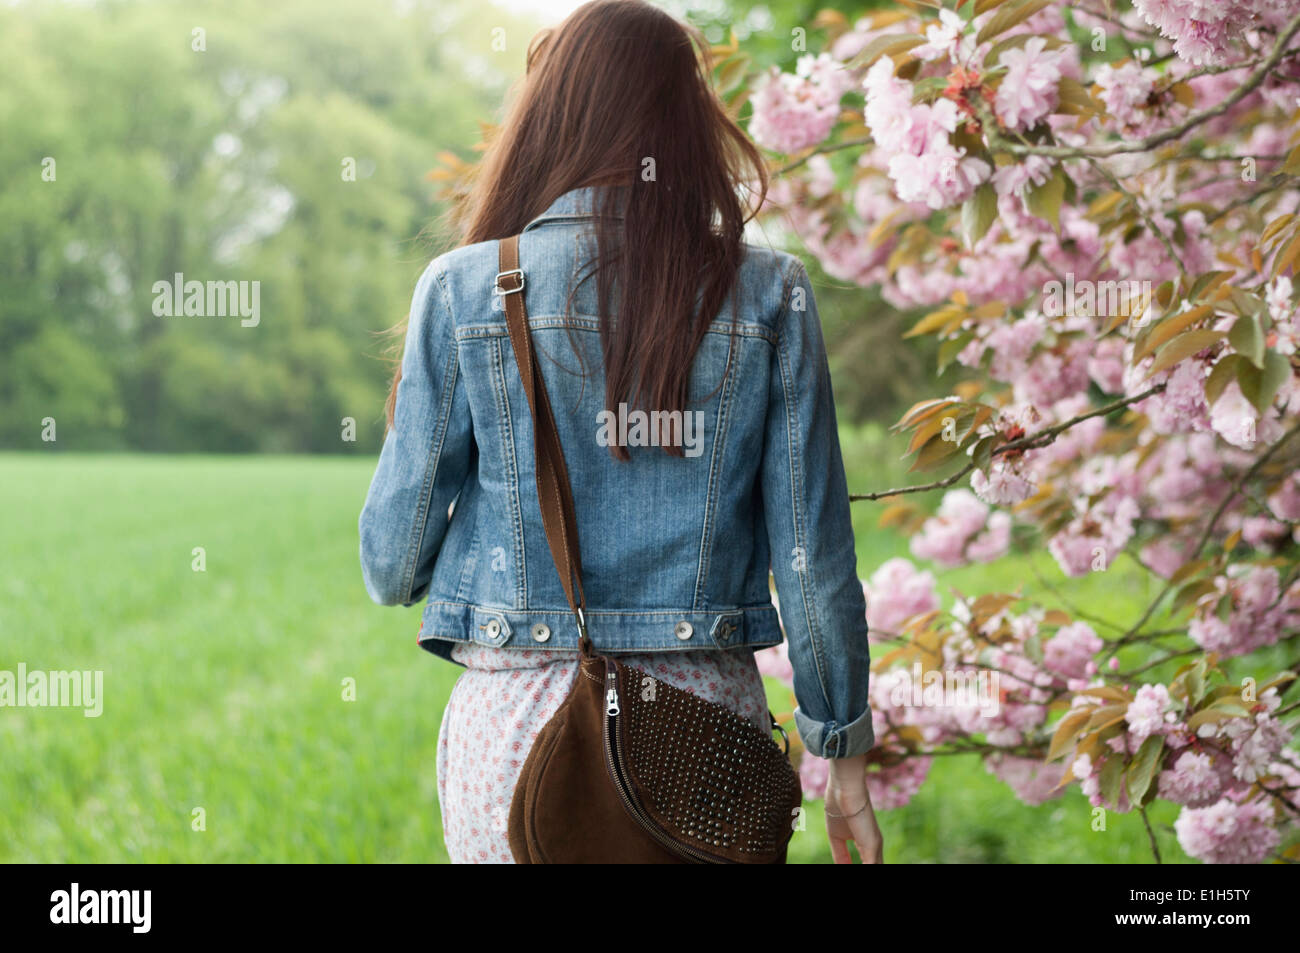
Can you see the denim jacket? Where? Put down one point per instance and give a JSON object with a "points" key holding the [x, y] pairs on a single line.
{"points": [[676, 550]]}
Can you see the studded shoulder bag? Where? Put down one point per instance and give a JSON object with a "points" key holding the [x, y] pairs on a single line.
{"points": [[631, 769]]}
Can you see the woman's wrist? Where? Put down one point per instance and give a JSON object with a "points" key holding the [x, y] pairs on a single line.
{"points": [[846, 767]]}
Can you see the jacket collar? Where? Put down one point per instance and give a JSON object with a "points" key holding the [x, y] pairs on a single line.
{"points": [[578, 203]]}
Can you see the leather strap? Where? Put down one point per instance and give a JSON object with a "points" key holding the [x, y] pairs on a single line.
{"points": [[554, 494]]}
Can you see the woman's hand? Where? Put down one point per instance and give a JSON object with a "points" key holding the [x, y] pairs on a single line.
{"points": [[849, 816]]}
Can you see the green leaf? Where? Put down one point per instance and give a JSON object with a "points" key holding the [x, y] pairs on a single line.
{"points": [[1247, 339], [1195, 682], [1191, 592], [1073, 98], [1292, 164], [732, 71], [1260, 387], [1209, 716], [1045, 200], [1183, 347], [1143, 768], [1067, 729], [1224, 373], [951, 347], [1009, 16], [928, 89], [978, 213], [1232, 705], [1207, 282], [933, 454], [889, 45], [1112, 773]]}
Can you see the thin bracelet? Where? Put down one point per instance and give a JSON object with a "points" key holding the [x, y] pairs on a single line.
{"points": [[854, 814]]}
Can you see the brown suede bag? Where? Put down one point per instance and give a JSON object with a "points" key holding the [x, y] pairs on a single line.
{"points": [[631, 769]]}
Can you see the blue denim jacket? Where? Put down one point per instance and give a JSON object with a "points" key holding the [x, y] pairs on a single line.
{"points": [[676, 551]]}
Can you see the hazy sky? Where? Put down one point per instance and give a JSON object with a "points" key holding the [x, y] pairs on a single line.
{"points": [[553, 11]]}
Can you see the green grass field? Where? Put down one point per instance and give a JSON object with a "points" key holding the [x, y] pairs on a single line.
{"points": [[223, 689]]}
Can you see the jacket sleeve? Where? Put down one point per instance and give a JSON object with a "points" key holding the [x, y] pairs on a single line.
{"points": [[806, 509], [425, 457]]}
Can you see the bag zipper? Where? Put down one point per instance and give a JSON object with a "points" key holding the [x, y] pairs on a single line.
{"points": [[613, 760]]}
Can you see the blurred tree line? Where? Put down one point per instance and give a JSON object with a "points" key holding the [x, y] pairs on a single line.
{"points": [[288, 144], [145, 139]]}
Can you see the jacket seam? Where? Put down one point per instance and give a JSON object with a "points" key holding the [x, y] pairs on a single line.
{"points": [[473, 331], [512, 477], [796, 501], [666, 613], [710, 500], [435, 452]]}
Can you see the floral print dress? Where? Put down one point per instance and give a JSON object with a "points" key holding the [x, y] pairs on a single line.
{"points": [[505, 696]]}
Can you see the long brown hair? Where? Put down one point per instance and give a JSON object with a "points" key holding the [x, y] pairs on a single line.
{"points": [[620, 94]]}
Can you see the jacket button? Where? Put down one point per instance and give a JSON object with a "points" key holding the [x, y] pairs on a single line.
{"points": [[683, 631], [493, 629], [541, 632]]}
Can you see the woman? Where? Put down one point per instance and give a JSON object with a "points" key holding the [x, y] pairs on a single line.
{"points": [[693, 403]]}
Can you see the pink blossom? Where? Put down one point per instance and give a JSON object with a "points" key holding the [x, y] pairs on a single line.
{"points": [[896, 591], [1234, 418], [1227, 832], [1200, 30], [1033, 780], [1261, 532], [942, 38], [922, 161], [1255, 616], [1149, 713], [1254, 751], [1285, 500], [1164, 556], [1126, 92], [1002, 486], [1191, 781], [1028, 90], [1106, 365], [895, 785], [1070, 650], [956, 533], [775, 663], [814, 773], [795, 111], [1181, 406], [1284, 314], [1093, 539]]}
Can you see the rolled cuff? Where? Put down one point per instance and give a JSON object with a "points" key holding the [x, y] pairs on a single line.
{"points": [[829, 739]]}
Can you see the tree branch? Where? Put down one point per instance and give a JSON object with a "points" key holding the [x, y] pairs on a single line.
{"points": [[1032, 442]]}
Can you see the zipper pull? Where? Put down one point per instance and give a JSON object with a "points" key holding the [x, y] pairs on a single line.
{"points": [[611, 689]]}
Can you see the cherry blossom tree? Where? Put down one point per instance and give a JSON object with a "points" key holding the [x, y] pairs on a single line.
{"points": [[1093, 207]]}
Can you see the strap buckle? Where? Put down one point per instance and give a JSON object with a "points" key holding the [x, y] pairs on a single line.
{"points": [[776, 726], [497, 289]]}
